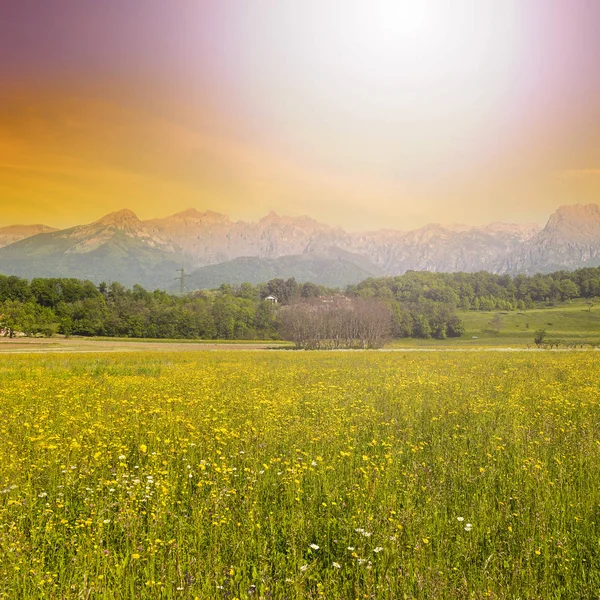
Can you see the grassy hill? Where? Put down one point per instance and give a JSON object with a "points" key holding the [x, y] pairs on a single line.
{"points": [[331, 271], [573, 322]]}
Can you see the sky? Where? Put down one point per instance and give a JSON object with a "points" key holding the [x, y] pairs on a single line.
{"points": [[364, 114]]}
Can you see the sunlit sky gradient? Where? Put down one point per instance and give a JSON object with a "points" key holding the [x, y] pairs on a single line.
{"points": [[364, 114]]}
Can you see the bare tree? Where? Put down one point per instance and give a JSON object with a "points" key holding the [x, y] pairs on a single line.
{"points": [[334, 322]]}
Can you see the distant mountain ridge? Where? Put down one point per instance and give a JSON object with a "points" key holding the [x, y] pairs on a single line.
{"points": [[14, 233], [215, 249], [570, 239]]}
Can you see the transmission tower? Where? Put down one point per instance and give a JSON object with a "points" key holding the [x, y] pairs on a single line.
{"points": [[181, 279]]}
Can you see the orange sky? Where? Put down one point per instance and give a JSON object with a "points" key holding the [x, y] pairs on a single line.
{"points": [[385, 113]]}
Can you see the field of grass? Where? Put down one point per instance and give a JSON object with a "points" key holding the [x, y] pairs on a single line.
{"points": [[573, 323], [292, 475], [187, 341], [61, 344]]}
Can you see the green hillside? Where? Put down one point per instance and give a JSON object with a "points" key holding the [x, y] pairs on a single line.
{"points": [[332, 272], [122, 259], [572, 322]]}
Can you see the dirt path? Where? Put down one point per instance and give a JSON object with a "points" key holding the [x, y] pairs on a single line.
{"points": [[92, 346], [84, 345]]}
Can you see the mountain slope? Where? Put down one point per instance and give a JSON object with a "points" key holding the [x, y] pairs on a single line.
{"points": [[116, 247], [121, 247], [211, 238], [329, 271], [14, 233], [570, 239], [444, 248]]}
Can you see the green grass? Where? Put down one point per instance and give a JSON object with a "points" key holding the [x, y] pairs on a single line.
{"points": [[300, 475], [184, 341], [572, 322]]}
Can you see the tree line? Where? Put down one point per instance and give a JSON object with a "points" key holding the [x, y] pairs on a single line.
{"points": [[483, 290], [419, 304], [74, 307], [44, 306]]}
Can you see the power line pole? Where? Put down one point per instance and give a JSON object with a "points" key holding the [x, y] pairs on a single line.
{"points": [[181, 279]]}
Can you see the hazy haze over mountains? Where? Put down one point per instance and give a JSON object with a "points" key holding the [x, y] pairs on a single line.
{"points": [[14, 233], [216, 250]]}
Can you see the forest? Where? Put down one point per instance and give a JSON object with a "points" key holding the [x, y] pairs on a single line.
{"points": [[483, 290], [419, 304]]}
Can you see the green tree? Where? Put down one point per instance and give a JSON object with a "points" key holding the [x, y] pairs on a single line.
{"points": [[264, 321], [539, 337]]}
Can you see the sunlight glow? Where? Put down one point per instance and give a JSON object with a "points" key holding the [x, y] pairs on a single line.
{"points": [[423, 77]]}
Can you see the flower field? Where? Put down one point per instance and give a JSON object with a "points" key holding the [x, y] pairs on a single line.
{"points": [[300, 475]]}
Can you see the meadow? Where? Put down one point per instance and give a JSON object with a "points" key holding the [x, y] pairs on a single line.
{"points": [[287, 475], [572, 322]]}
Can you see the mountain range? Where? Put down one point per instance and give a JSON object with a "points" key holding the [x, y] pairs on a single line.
{"points": [[215, 249]]}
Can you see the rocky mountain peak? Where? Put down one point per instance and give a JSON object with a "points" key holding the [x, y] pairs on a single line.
{"points": [[214, 217], [121, 219], [191, 214], [303, 222], [189, 217], [271, 217], [87, 238], [578, 221], [571, 239]]}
